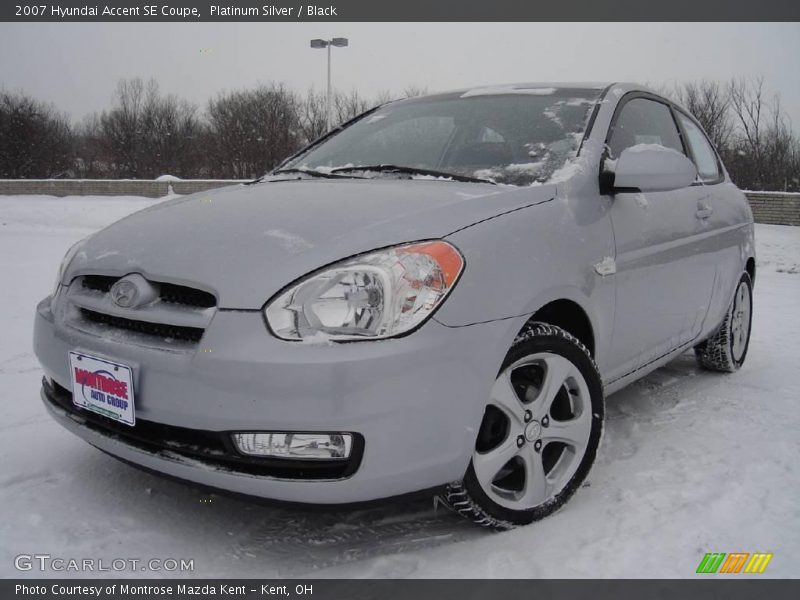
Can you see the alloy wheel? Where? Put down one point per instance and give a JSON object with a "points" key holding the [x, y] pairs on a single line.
{"points": [[535, 431], [740, 321]]}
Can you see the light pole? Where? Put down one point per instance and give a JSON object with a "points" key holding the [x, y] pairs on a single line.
{"points": [[339, 42]]}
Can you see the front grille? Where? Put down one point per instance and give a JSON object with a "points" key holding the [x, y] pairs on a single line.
{"points": [[213, 448], [176, 320], [168, 292], [99, 283], [180, 294], [160, 330]]}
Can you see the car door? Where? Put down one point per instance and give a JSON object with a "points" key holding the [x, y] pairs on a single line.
{"points": [[726, 220], [663, 279]]}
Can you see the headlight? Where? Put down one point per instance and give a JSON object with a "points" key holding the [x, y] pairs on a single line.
{"points": [[373, 296], [73, 250]]}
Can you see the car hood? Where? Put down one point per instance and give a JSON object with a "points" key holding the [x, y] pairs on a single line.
{"points": [[245, 243]]}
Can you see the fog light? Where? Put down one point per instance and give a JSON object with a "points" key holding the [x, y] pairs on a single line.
{"points": [[309, 446]]}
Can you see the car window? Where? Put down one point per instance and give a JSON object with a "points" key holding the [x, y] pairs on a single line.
{"points": [[422, 139], [517, 137], [644, 121], [704, 156], [490, 135]]}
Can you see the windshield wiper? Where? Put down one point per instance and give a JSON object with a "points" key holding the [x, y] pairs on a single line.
{"points": [[311, 173], [412, 171]]}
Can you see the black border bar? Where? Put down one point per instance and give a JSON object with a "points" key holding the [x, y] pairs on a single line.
{"points": [[33, 11], [732, 588]]}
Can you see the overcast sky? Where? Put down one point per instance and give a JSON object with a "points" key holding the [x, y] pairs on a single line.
{"points": [[76, 65]]}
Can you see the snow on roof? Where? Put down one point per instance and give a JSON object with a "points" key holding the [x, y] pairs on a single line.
{"points": [[533, 87]]}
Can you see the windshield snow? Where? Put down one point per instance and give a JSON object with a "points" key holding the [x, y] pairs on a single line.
{"points": [[511, 138]]}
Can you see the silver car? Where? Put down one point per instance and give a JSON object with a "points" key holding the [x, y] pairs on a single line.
{"points": [[435, 297]]}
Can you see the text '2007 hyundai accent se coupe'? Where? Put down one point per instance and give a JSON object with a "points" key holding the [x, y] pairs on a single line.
{"points": [[435, 296]]}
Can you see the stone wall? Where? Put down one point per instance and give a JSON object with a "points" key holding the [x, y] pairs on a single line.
{"points": [[110, 187], [775, 207]]}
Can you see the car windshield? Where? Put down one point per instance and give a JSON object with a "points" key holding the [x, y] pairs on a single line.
{"points": [[512, 136]]}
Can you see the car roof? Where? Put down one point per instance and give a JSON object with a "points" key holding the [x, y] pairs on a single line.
{"points": [[541, 88], [534, 88], [533, 85], [601, 89]]}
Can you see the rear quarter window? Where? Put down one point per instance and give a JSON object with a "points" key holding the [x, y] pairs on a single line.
{"points": [[702, 153]]}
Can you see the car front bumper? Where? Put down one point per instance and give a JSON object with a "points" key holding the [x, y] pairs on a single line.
{"points": [[415, 402]]}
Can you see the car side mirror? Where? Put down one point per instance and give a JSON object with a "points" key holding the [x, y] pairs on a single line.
{"points": [[651, 168]]}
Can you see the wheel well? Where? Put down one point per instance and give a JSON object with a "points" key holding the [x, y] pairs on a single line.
{"points": [[570, 317], [750, 267]]}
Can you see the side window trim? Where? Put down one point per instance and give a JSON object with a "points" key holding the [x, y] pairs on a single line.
{"points": [[593, 117], [720, 172]]}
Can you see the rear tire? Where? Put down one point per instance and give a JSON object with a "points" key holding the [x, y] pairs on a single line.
{"points": [[726, 349], [539, 435]]}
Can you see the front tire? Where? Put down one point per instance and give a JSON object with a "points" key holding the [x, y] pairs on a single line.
{"points": [[539, 435], [726, 349]]}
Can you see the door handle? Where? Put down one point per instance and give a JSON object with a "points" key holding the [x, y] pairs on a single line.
{"points": [[704, 211]]}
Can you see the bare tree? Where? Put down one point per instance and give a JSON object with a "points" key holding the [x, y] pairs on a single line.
{"points": [[35, 140], [747, 102], [709, 102], [147, 134], [312, 115], [170, 129], [413, 90], [384, 96], [349, 105], [764, 152], [749, 128], [313, 111], [253, 130], [122, 126], [91, 157]]}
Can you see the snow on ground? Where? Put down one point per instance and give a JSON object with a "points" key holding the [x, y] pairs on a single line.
{"points": [[692, 462]]}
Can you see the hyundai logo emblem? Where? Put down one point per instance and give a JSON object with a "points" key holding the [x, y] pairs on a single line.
{"points": [[124, 293], [132, 291]]}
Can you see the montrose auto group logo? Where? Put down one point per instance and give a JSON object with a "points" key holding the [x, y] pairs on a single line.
{"points": [[101, 386]]}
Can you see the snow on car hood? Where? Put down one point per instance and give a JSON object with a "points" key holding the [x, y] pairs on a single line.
{"points": [[246, 243]]}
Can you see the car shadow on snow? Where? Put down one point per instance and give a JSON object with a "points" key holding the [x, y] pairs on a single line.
{"points": [[247, 532]]}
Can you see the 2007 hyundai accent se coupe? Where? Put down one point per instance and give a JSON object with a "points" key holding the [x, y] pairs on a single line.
{"points": [[434, 297]]}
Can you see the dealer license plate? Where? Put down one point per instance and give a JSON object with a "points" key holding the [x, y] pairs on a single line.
{"points": [[103, 386]]}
